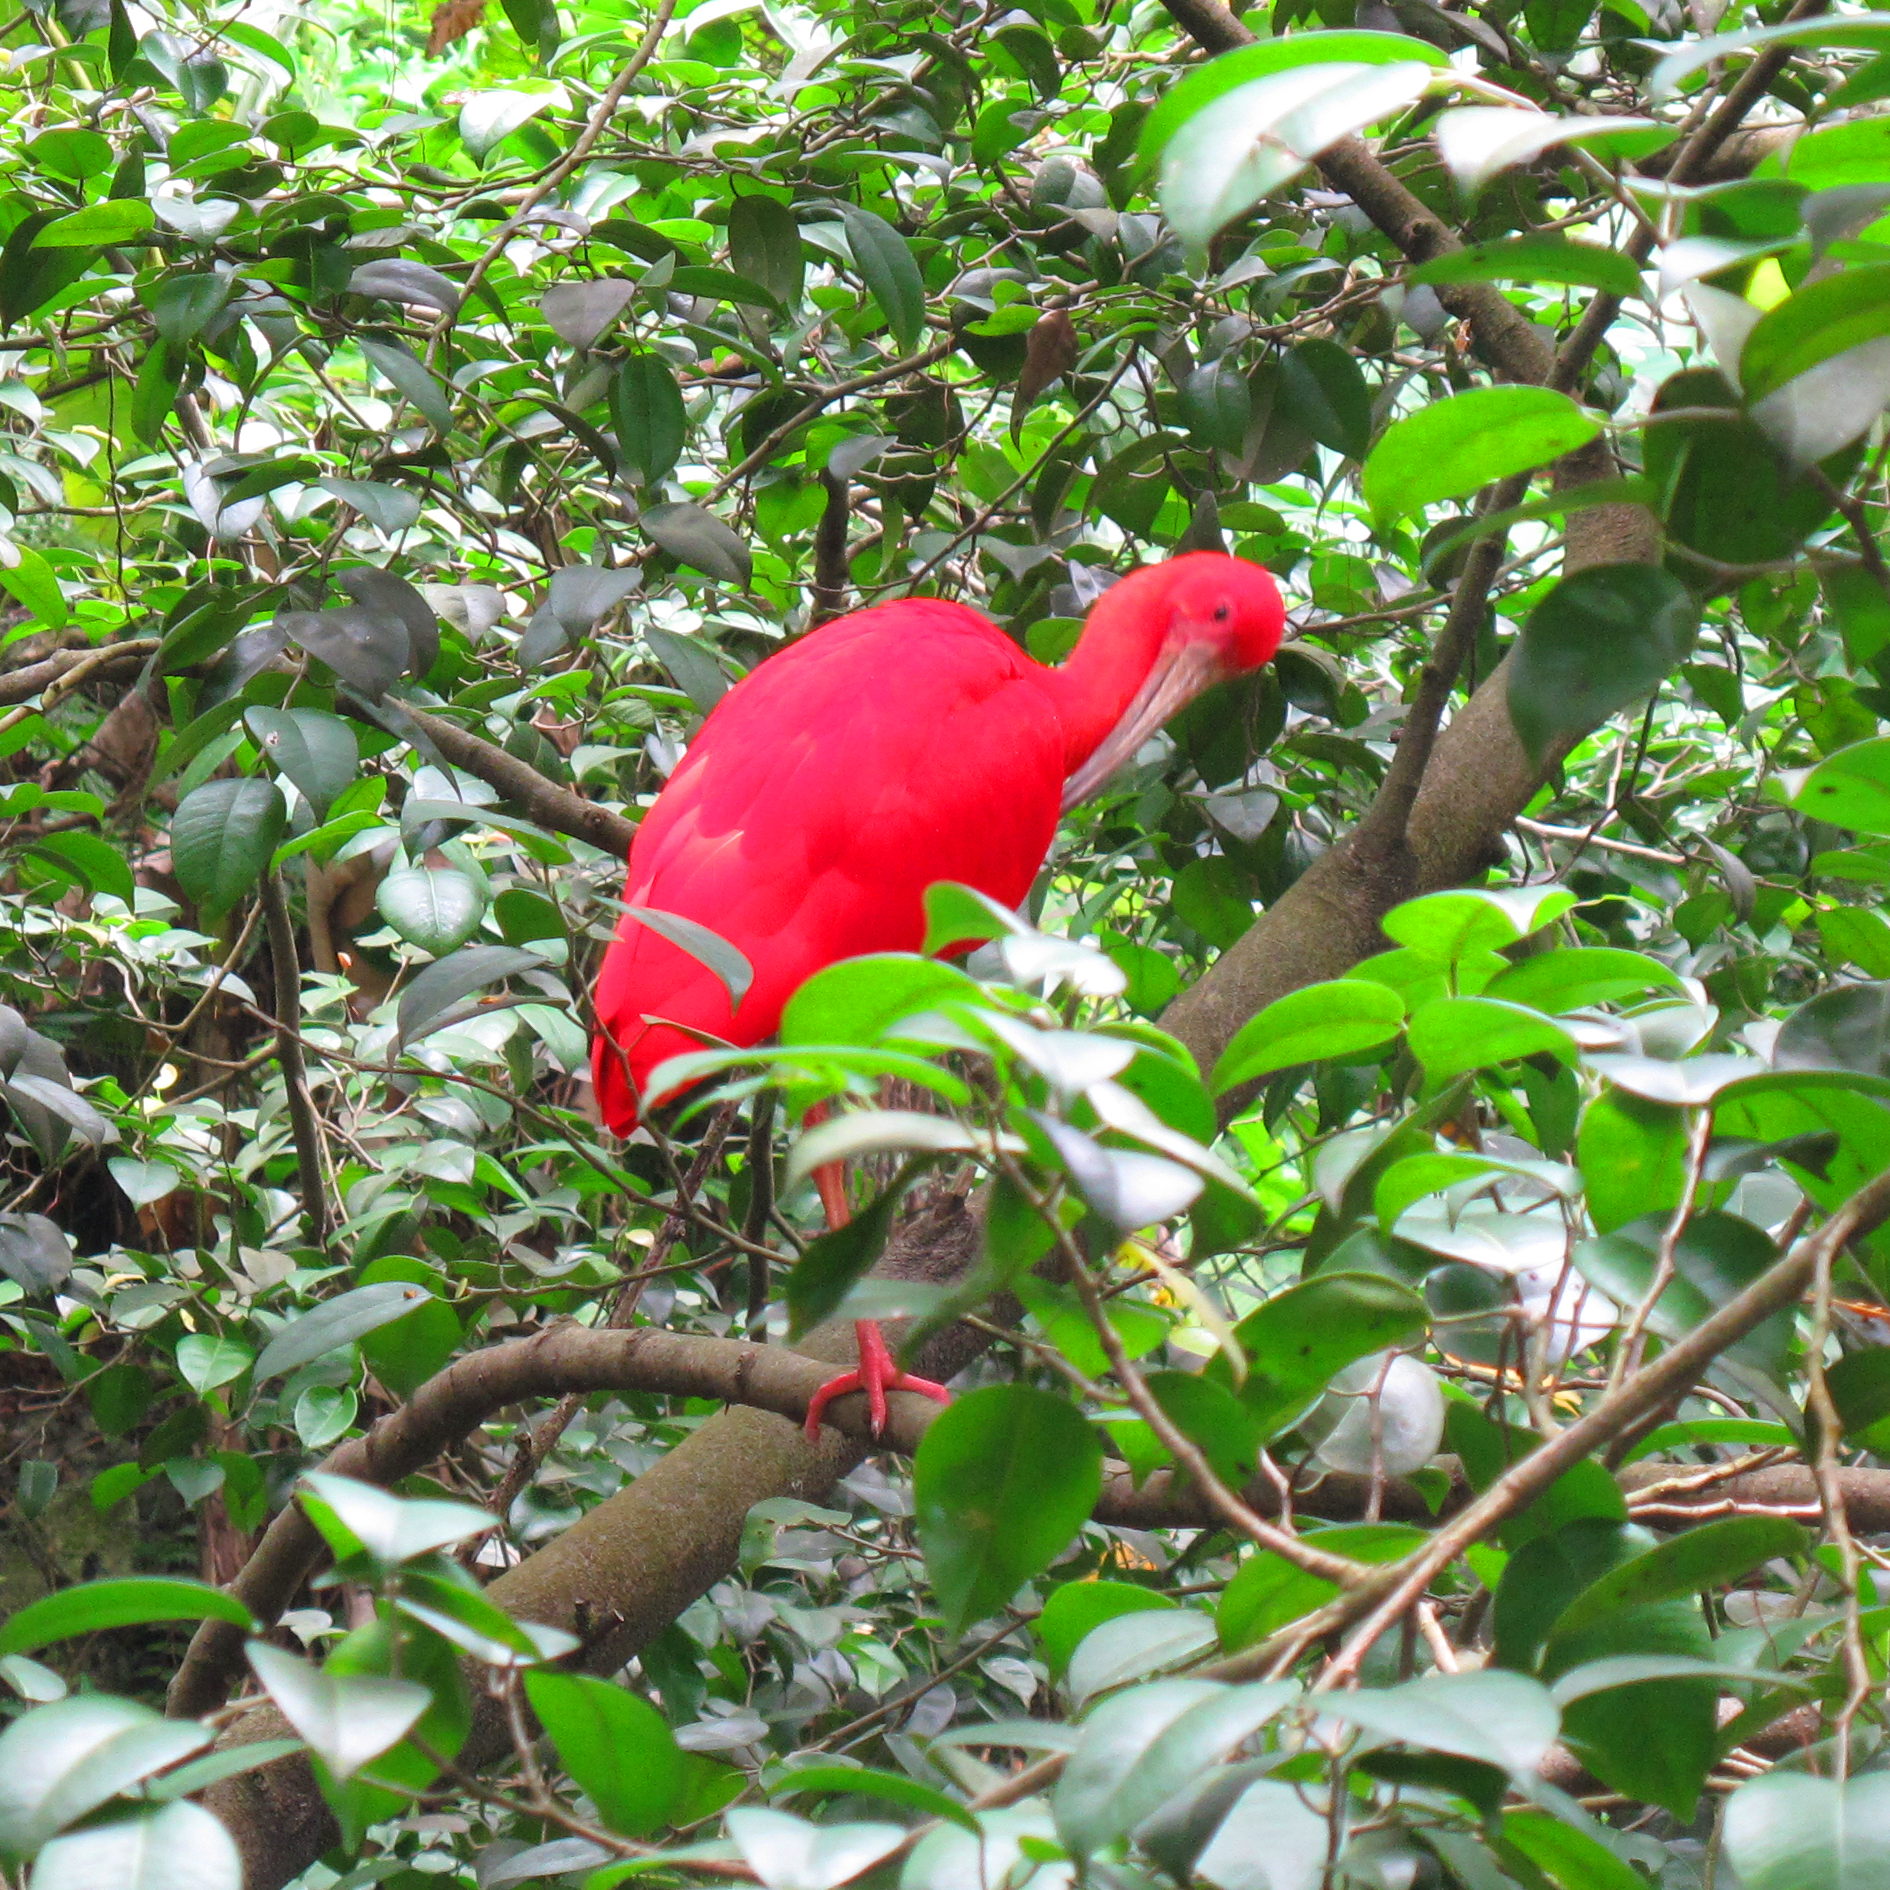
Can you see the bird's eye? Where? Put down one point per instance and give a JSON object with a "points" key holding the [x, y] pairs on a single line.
{"points": [[1222, 612]]}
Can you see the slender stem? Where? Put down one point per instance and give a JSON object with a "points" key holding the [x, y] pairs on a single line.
{"points": [[601, 115], [304, 1124]]}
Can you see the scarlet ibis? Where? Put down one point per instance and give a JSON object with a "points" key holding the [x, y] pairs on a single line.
{"points": [[901, 745]]}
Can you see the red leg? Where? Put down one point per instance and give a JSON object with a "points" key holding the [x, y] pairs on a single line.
{"points": [[876, 1374]]}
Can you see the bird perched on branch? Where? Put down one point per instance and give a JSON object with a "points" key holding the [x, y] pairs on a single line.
{"points": [[901, 745]]}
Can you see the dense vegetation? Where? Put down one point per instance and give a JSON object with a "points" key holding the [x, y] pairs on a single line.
{"points": [[1404, 1200]]}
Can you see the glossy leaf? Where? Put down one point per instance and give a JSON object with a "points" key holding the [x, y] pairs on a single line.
{"points": [[222, 836], [1338, 1019], [1454, 447], [95, 1607], [174, 1847], [617, 1748], [334, 1323], [1247, 142], [1004, 1478], [1600, 640]]}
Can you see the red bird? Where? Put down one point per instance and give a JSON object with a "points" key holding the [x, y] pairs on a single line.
{"points": [[901, 745]]}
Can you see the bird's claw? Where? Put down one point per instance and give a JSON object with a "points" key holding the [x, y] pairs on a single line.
{"points": [[876, 1374]]}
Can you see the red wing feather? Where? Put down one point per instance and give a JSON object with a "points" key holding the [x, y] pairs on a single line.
{"points": [[905, 744]]}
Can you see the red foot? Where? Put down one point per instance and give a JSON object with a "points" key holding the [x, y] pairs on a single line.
{"points": [[876, 1374]]}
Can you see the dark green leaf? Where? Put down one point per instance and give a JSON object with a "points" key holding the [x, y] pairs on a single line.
{"points": [[1323, 390], [221, 838], [441, 986], [1603, 638], [886, 264]]}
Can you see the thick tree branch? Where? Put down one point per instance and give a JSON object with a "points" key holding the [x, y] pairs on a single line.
{"points": [[64, 670], [545, 801]]}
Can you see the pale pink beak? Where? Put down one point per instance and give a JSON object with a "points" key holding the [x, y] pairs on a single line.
{"points": [[1180, 674]]}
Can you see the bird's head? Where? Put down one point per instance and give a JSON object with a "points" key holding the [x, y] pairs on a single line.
{"points": [[1195, 620]]}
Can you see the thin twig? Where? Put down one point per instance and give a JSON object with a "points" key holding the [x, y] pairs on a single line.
{"points": [[304, 1124]]}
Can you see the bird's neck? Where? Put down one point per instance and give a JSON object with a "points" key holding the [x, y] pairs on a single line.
{"points": [[1111, 661]]}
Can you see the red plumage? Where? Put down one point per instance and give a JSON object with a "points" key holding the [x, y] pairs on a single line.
{"points": [[902, 745]]}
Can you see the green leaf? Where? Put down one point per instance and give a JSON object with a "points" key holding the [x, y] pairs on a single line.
{"points": [[30, 581], [66, 1759], [720, 285], [1573, 977], [1322, 389], [863, 1781], [316, 750], [1299, 1338], [435, 908], [764, 244], [890, 271], [95, 1607], [836, 1261], [1555, 259], [1339, 1019], [1477, 142], [1710, 1556], [617, 1748], [432, 996], [859, 1000], [1241, 146], [693, 535], [1146, 1746], [1005, 1477], [1204, 84], [334, 1323], [1860, 1388], [1502, 1719], [1450, 927], [788, 1853], [207, 1360], [1869, 30], [1568, 1855], [1070, 1612], [706, 947], [1456, 446], [958, 917], [647, 407], [876, 1132], [1601, 639], [406, 1352], [1787, 1831], [1633, 1158], [1849, 789], [90, 861], [1268, 1593], [184, 304], [1450, 1036], [1717, 1256], [391, 1529], [221, 838], [347, 1719], [117, 220], [487, 119], [180, 1846], [398, 363]]}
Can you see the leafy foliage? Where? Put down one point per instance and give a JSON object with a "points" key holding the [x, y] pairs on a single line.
{"points": [[1424, 1356]]}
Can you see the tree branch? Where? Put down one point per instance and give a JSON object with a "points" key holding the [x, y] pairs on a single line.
{"points": [[550, 805]]}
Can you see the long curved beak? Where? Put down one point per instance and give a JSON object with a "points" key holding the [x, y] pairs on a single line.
{"points": [[1178, 677]]}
